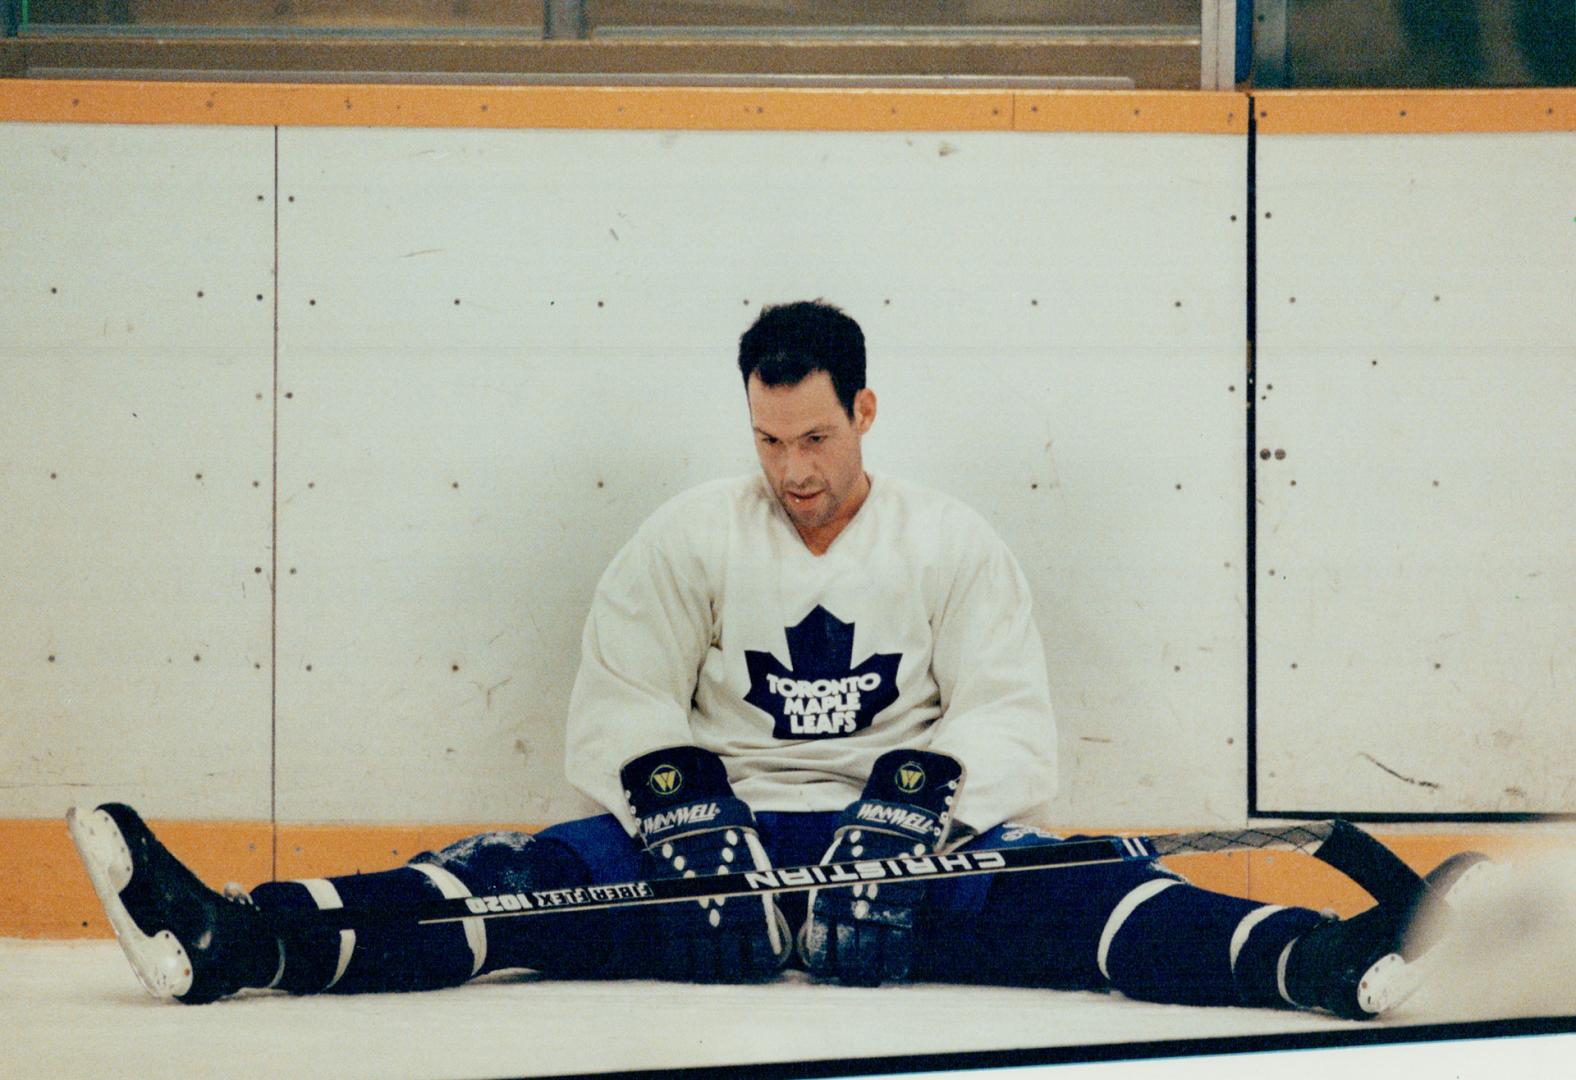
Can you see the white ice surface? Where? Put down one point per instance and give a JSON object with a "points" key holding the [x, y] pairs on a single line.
{"points": [[76, 1010]]}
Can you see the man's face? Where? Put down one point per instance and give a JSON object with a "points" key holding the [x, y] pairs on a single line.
{"points": [[809, 450]]}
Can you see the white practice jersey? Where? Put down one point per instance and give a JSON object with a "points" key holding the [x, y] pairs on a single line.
{"points": [[716, 626]]}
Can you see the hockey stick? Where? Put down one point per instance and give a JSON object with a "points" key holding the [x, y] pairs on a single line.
{"points": [[1349, 850]]}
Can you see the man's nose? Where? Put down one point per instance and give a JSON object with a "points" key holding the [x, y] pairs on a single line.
{"points": [[797, 466]]}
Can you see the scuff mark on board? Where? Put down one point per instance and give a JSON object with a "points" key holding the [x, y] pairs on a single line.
{"points": [[488, 692], [60, 784], [1399, 776], [1053, 477]]}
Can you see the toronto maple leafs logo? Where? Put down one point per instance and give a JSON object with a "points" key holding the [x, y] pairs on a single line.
{"points": [[822, 695]]}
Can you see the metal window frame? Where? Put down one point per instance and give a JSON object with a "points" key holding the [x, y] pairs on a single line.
{"points": [[1218, 55], [566, 23]]}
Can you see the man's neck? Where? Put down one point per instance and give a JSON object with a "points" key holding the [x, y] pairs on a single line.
{"points": [[819, 540]]}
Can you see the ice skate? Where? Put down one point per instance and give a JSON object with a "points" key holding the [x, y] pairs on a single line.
{"points": [[184, 940], [1362, 967]]}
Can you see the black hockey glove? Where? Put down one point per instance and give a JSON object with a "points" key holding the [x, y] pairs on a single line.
{"points": [[865, 934], [692, 825]]}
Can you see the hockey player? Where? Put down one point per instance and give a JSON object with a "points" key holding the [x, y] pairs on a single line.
{"points": [[810, 662]]}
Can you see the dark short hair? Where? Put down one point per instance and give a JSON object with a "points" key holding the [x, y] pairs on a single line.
{"points": [[790, 342]]}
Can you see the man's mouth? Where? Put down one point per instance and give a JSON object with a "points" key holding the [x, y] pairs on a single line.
{"points": [[802, 500]]}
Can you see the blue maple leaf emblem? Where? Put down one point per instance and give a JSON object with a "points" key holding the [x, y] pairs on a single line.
{"points": [[822, 695]]}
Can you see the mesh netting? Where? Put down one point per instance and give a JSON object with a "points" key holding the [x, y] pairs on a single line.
{"points": [[1305, 837]]}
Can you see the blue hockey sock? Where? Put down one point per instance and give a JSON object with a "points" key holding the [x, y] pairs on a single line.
{"points": [[590, 944], [1166, 940], [383, 958]]}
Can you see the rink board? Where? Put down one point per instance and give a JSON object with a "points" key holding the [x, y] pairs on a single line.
{"points": [[1416, 379], [492, 353], [316, 547], [135, 467]]}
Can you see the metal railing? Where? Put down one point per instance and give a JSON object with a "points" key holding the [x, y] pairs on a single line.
{"points": [[1150, 43]]}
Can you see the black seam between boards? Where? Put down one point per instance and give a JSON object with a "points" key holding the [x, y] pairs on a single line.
{"points": [[273, 576], [1490, 817], [1375, 1034], [1250, 423]]}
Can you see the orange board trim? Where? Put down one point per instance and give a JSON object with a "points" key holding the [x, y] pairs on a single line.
{"points": [[1277, 112], [104, 101], [1413, 112], [44, 892]]}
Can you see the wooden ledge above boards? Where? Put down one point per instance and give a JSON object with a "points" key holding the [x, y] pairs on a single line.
{"points": [[1413, 112], [44, 892], [684, 108], [720, 108]]}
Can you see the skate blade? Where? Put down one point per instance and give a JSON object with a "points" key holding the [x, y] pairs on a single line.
{"points": [[1475, 881], [160, 961]]}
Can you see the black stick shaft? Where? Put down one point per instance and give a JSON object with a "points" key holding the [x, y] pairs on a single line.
{"points": [[1366, 861], [1085, 852]]}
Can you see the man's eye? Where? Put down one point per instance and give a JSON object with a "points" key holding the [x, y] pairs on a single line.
{"points": [[816, 438]]}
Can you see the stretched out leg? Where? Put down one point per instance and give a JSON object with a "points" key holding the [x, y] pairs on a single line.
{"points": [[1131, 926], [1150, 934], [413, 957], [194, 945]]}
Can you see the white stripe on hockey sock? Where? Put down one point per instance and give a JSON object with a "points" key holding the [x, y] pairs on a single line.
{"points": [[280, 972], [1280, 975], [452, 887], [1239, 936], [326, 897], [1147, 891]]}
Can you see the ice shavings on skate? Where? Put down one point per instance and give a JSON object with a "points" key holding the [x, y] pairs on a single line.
{"points": [[1512, 947]]}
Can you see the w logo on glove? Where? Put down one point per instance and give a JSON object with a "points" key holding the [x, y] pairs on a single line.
{"points": [[665, 780], [866, 934]]}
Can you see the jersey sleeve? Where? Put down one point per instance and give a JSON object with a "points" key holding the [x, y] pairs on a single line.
{"points": [[644, 641], [989, 664]]}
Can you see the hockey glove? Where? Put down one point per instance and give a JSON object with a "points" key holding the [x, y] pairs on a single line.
{"points": [[692, 825], [865, 934]]}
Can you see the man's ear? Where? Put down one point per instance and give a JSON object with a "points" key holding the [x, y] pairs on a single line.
{"points": [[864, 410]]}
